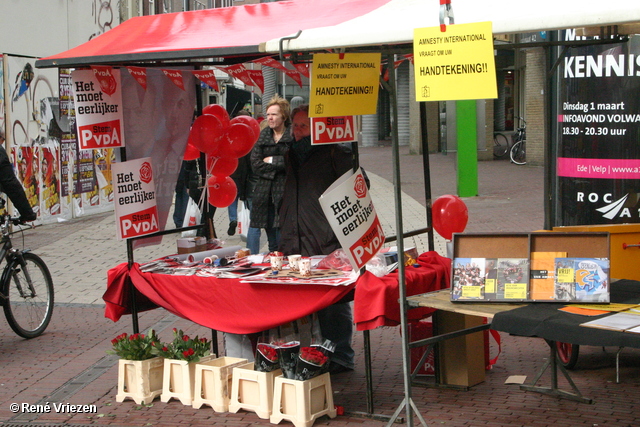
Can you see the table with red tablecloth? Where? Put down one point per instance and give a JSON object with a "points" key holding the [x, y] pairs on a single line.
{"points": [[229, 305]]}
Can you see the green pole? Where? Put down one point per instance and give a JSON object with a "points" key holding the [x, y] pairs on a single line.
{"points": [[466, 122]]}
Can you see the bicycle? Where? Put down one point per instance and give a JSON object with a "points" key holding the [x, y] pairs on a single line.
{"points": [[518, 152], [500, 145], [26, 287]]}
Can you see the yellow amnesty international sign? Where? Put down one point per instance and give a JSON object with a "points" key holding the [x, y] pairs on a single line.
{"points": [[344, 84], [455, 64]]}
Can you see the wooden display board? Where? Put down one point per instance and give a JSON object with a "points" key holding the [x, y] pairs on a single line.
{"points": [[531, 267]]}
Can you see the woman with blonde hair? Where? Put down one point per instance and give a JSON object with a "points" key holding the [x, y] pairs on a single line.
{"points": [[267, 163]]}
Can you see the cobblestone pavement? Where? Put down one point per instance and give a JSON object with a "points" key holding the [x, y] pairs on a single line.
{"points": [[68, 364]]}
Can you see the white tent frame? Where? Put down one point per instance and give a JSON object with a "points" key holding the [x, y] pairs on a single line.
{"points": [[369, 32]]}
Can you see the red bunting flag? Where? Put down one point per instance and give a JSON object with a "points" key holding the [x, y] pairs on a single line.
{"points": [[302, 67], [140, 74], [409, 56], [208, 77], [239, 72], [105, 78], [258, 78], [295, 75], [270, 62], [175, 76]]}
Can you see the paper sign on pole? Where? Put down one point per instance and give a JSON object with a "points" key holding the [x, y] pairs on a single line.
{"points": [[98, 99], [344, 84], [456, 64], [135, 198], [348, 207], [333, 130]]}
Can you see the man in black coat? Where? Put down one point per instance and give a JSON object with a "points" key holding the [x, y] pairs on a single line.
{"points": [[305, 230]]}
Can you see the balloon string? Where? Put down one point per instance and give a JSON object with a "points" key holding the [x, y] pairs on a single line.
{"points": [[205, 190]]}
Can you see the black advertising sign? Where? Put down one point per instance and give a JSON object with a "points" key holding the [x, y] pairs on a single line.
{"points": [[598, 128]]}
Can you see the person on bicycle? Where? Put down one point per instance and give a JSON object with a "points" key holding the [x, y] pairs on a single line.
{"points": [[10, 185]]}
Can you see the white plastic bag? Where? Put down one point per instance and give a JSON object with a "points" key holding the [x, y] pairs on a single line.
{"points": [[243, 220], [191, 217]]}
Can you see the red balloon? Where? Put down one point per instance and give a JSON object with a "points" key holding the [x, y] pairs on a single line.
{"points": [[223, 166], [449, 215], [191, 152], [219, 111], [208, 132], [222, 191], [240, 140], [248, 120]]}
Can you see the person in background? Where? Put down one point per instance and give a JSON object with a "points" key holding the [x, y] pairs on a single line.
{"points": [[305, 230], [181, 196], [267, 163], [295, 102], [240, 177], [10, 185]]}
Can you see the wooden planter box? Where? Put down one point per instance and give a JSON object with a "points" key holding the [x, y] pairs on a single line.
{"points": [[252, 390], [140, 380], [302, 402], [213, 382], [178, 380]]}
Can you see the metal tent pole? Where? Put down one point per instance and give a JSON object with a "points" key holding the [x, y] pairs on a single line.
{"points": [[407, 402], [424, 140]]}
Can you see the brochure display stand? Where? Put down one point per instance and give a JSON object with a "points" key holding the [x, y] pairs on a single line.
{"points": [[531, 267]]}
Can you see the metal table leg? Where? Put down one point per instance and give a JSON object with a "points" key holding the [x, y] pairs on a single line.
{"points": [[554, 390]]}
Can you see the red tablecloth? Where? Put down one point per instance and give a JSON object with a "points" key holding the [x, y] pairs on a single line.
{"points": [[376, 298], [231, 306]]}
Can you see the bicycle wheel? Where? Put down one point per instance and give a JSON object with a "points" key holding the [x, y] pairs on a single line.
{"points": [[518, 155], [500, 145], [28, 308], [567, 354]]}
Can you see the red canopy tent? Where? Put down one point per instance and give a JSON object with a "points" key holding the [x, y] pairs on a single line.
{"points": [[231, 33]]}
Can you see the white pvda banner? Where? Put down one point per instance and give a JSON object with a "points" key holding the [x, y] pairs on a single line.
{"points": [[135, 198], [99, 114], [348, 207]]}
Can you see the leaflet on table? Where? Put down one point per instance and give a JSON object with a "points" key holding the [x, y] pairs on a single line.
{"points": [[348, 207], [615, 322], [336, 278]]}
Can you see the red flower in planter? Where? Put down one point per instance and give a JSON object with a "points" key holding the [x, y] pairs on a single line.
{"points": [[313, 355], [183, 347], [268, 352], [133, 347]]}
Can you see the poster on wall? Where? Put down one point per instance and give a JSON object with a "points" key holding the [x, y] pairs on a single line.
{"points": [[50, 179], [98, 106], [598, 129], [103, 159], [135, 198], [27, 165], [31, 121]]}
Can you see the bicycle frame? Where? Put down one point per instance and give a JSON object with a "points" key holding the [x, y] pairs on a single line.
{"points": [[10, 255]]}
